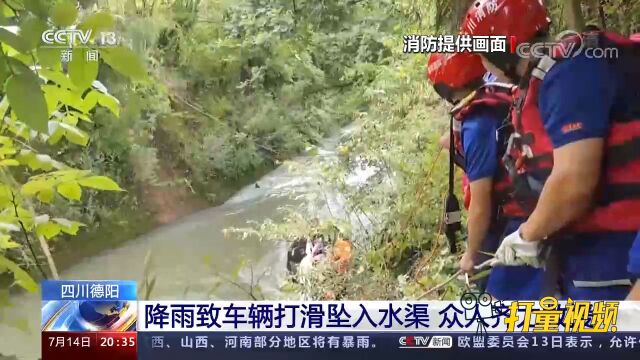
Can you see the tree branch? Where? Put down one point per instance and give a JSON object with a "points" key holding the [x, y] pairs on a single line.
{"points": [[440, 286], [47, 254], [194, 107], [26, 236]]}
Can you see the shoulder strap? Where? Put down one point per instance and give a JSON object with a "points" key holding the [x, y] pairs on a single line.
{"points": [[524, 89], [452, 156], [452, 206]]}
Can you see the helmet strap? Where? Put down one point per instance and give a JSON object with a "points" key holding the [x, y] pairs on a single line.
{"points": [[506, 62]]}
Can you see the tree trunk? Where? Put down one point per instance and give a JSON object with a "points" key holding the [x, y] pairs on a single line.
{"points": [[601, 15], [573, 15], [459, 8]]}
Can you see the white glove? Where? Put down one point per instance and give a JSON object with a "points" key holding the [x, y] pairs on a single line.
{"points": [[515, 251]]}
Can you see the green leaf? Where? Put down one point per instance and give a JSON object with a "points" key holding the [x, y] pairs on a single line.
{"points": [[36, 162], [50, 57], [64, 13], [4, 73], [7, 243], [81, 71], [27, 101], [70, 118], [51, 98], [6, 11], [48, 230], [57, 77], [68, 226], [9, 162], [23, 59], [31, 31], [88, 102], [35, 186], [71, 98], [74, 135], [6, 195], [20, 276], [37, 7], [82, 116], [70, 190], [46, 195], [13, 40], [97, 23], [4, 106], [110, 103], [20, 67], [124, 61], [100, 183]]}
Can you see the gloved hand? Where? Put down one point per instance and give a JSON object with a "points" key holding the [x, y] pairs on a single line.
{"points": [[515, 251]]}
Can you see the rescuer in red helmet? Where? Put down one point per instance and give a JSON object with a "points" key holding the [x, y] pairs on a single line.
{"points": [[475, 139], [574, 157]]}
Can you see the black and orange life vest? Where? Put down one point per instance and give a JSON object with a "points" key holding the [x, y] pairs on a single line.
{"points": [[497, 96], [530, 158]]}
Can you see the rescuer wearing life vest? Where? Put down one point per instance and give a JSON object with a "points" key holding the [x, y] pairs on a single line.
{"points": [[477, 118], [574, 156]]}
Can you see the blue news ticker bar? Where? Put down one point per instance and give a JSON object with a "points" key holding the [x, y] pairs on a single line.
{"points": [[89, 290], [385, 346]]}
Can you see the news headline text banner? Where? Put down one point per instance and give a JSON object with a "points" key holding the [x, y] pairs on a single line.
{"points": [[385, 316], [383, 346]]}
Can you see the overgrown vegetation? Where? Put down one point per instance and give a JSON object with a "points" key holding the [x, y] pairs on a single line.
{"points": [[234, 88], [47, 112]]}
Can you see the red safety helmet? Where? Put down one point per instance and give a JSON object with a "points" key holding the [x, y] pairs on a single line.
{"points": [[521, 19], [451, 72]]}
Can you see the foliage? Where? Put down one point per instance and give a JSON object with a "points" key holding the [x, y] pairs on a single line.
{"points": [[615, 15], [46, 110]]}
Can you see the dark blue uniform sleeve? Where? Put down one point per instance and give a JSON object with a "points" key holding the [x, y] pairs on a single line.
{"points": [[479, 143], [634, 258], [576, 98]]}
